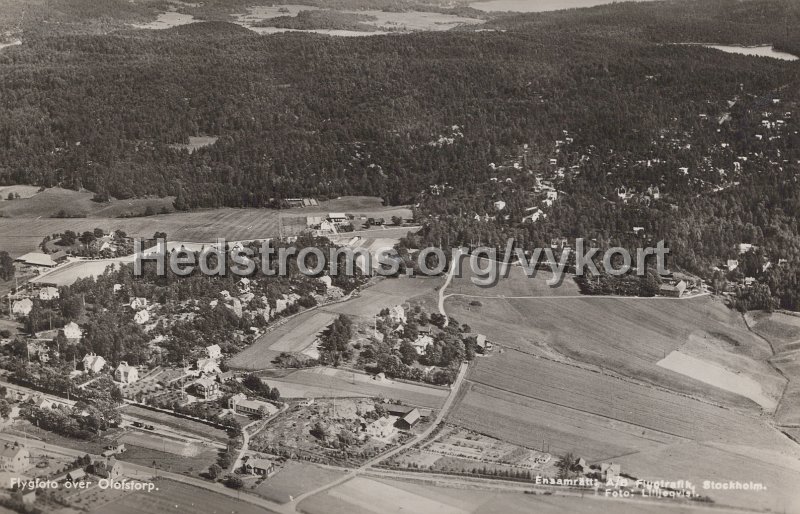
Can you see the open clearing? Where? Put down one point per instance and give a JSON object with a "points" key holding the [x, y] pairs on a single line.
{"points": [[516, 284], [627, 336], [783, 333], [173, 496], [717, 376], [358, 496], [160, 443], [167, 20], [195, 143], [698, 462], [25, 222], [68, 274], [294, 479], [547, 405], [295, 336], [331, 382]]}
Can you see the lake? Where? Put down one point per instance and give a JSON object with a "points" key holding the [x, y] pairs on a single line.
{"points": [[537, 5], [759, 51]]}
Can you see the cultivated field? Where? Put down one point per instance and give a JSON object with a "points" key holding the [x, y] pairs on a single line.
{"points": [[381, 496], [783, 333], [585, 391], [698, 462], [26, 221], [628, 336], [330, 382], [66, 275], [50, 201], [295, 336], [516, 284], [177, 497], [294, 479]]}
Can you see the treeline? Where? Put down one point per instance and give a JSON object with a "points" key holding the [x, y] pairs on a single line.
{"points": [[305, 115]]}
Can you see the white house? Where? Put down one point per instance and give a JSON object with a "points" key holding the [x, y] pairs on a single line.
{"points": [[126, 374], [141, 317], [48, 293], [214, 351], [397, 314], [72, 331], [22, 307], [381, 428], [499, 205], [421, 343], [208, 366], [94, 363], [138, 303]]}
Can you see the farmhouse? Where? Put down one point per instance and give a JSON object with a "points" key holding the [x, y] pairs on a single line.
{"points": [[93, 363], [381, 428], [14, 458], [261, 467], [610, 471], [126, 374], [482, 344]]}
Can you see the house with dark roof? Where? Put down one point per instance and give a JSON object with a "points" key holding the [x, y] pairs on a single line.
{"points": [[408, 421]]}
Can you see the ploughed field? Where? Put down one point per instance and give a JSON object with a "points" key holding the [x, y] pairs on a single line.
{"points": [[173, 496], [629, 336], [782, 330], [521, 388], [582, 376], [331, 382]]}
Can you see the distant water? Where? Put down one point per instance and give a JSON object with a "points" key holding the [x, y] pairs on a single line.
{"points": [[760, 51], [537, 5]]}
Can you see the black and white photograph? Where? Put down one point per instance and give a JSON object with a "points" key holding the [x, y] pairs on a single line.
{"points": [[399, 256]]}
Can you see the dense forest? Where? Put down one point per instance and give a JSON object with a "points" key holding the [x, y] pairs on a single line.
{"points": [[311, 115]]}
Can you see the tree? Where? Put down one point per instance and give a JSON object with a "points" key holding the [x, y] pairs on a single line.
{"points": [[213, 471], [397, 220], [6, 266], [566, 464], [234, 482]]}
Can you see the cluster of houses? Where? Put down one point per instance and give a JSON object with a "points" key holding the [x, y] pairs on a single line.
{"points": [[327, 225]]}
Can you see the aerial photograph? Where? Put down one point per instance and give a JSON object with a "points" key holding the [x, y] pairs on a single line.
{"points": [[399, 256]]}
